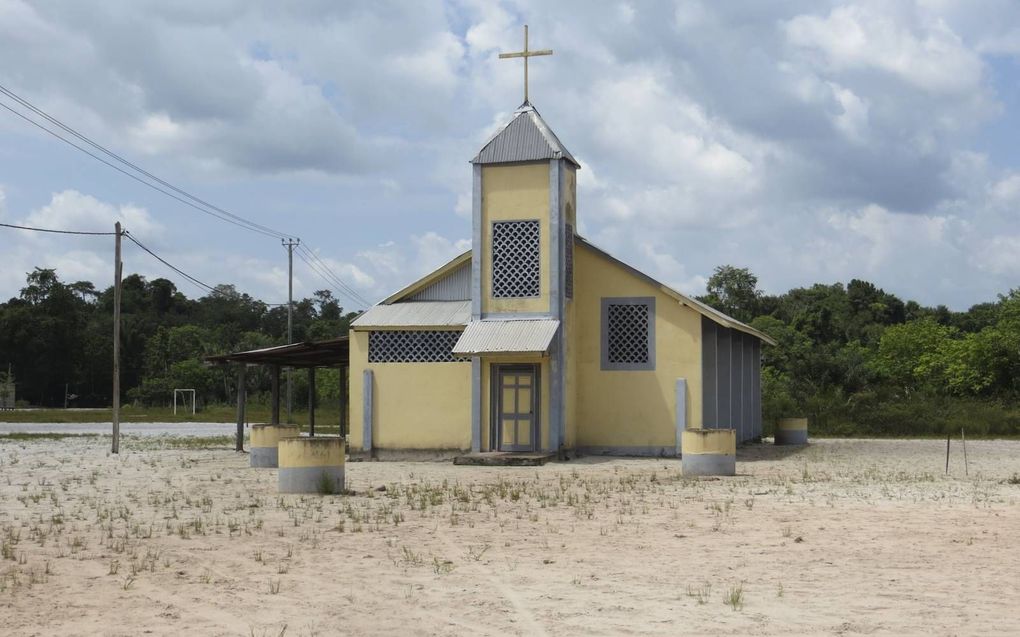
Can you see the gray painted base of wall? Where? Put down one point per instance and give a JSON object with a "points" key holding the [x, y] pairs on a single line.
{"points": [[264, 457], [791, 437], [706, 464], [310, 479], [654, 452], [410, 455]]}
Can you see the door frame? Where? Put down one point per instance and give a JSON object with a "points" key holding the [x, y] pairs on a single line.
{"points": [[495, 398]]}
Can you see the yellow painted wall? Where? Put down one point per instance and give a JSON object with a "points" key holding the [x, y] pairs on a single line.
{"points": [[515, 192], [632, 408], [543, 419], [417, 405]]}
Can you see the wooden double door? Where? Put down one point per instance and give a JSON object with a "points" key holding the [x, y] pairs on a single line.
{"points": [[516, 404]]}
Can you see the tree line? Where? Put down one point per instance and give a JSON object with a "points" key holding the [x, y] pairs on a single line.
{"points": [[854, 358], [58, 335], [858, 360]]}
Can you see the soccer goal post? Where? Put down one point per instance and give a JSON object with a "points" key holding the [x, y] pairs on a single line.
{"points": [[184, 393]]}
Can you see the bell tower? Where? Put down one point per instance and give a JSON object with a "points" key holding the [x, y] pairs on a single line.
{"points": [[523, 220]]}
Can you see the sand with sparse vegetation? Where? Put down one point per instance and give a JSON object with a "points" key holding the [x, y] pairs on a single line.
{"points": [[842, 537]]}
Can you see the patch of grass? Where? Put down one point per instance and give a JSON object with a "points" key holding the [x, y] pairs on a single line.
{"points": [[734, 597], [29, 436], [700, 594]]}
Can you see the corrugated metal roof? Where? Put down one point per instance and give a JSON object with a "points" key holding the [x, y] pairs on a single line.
{"points": [[455, 286], [507, 337], [525, 138], [416, 314]]}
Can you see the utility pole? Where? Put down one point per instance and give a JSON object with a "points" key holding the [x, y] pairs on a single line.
{"points": [[290, 244], [117, 266]]}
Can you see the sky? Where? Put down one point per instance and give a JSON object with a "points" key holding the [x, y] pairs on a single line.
{"points": [[809, 141]]}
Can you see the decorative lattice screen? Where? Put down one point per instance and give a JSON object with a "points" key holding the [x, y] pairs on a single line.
{"points": [[568, 287], [628, 333], [413, 346], [515, 250]]}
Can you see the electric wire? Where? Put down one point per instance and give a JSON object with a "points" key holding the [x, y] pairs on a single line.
{"points": [[343, 290], [323, 270], [350, 291], [197, 282], [11, 225], [224, 215]]}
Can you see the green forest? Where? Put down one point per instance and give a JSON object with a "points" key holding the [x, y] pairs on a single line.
{"points": [[852, 357]]}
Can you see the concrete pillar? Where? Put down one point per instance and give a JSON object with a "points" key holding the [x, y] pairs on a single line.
{"points": [[312, 465]]}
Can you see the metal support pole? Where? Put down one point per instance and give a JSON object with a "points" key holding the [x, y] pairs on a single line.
{"points": [[241, 399], [290, 244], [117, 272], [275, 394], [311, 402]]}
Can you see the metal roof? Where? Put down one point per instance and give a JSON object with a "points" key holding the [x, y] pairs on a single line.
{"points": [[416, 314], [332, 353], [526, 137], [520, 336]]}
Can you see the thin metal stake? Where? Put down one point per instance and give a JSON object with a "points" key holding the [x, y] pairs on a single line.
{"points": [[966, 468], [948, 437]]}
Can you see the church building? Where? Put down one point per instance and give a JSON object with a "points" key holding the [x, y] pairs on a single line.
{"points": [[538, 341]]}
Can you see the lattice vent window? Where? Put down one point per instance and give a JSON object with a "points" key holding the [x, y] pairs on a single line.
{"points": [[628, 333], [569, 263], [413, 346], [515, 257]]}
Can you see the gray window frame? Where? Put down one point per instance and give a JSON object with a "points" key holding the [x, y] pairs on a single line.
{"points": [[492, 257], [649, 302]]}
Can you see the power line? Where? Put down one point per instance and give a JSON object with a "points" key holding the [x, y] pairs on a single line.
{"points": [[351, 292], [321, 268], [182, 196], [127, 174], [134, 166], [11, 225], [197, 282], [195, 202]]}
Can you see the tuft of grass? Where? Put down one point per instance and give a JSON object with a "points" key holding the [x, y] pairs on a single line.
{"points": [[700, 594], [274, 586], [734, 597]]}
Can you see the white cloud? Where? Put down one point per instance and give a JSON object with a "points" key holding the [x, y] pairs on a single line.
{"points": [[72, 210], [864, 36]]}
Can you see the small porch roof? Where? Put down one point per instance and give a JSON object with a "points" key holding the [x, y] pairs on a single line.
{"points": [[334, 352], [517, 336]]}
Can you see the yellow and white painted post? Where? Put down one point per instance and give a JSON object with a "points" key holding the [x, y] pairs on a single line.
{"points": [[709, 452], [312, 465], [264, 439], [791, 431]]}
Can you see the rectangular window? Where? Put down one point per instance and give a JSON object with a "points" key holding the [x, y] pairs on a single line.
{"points": [[515, 257], [568, 287], [413, 346], [628, 333]]}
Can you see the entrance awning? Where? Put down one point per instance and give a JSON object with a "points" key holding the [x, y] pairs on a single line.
{"points": [[518, 336]]}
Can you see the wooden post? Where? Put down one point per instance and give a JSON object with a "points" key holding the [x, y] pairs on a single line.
{"points": [[311, 401], [345, 414], [275, 393], [117, 267], [241, 398]]}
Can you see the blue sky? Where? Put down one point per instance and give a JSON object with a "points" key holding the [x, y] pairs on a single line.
{"points": [[809, 141]]}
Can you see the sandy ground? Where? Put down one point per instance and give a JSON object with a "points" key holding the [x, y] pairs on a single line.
{"points": [[841, 537], [127, 428]]}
